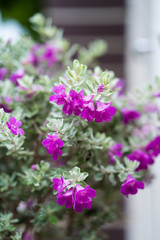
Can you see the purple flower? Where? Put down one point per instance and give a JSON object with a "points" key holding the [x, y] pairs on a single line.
{"points": [[104, 112], [5, 108], [130, 186], [78, 197], [151, 108], [3, 72], [142, 132], [49, 55], [120, 85], [59, 96], [14, 125], [77, 101], [88, 111], [156, 95], [43, 53], [83, 198], [153, 148], [67, 107], [129, 115], [115, 150], [143, 158], [100, 88], [82, 105], [34, 167], [66, 198], [60, 184], [74, 103], [8, 99], [33, 58], [52, 145], [17, 75], [23, 206], [30, 91], [28, 236]]}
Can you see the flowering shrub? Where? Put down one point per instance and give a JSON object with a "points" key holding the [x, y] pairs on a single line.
{"points": [[72, 142]]}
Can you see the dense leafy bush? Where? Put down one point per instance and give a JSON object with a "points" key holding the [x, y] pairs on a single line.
{"points": [[72, 142]]}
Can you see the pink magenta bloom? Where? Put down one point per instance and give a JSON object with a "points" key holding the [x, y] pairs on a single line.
{"points": [[104, 112], [153, 148], [115, 150], [79, 197], [52, 145], [82, 105], [17, 75], [59, 96], [60, 184], [14, 125], [71, 103], [120, 85], [43, 53], [129, 115], [3, 73], [130, 186], [66, 198], [8, 99], [157, 95], [74, 103], [142, 132], [28, 236], [143, 158], [77, 101], [83, 198], [5, 108], [49, 55], [33, 58], [88, 111], [34, 167], [100, 88]]}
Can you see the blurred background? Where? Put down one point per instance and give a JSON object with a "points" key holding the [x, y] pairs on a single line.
{"points": [[131, 29]]}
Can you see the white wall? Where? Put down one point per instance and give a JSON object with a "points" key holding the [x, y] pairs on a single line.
{"points": [[142, 65]]}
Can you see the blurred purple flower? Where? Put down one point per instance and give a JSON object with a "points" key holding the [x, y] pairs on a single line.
{"points": [[5, 108], [28, 236], [49, 55], [8, 99], [153, 148], [131, 186], [129, 115], [120, 85], [100, 88], [115, 150], [3, 73], [142, 132], [34, 167], [143, 158], [17, 75]]}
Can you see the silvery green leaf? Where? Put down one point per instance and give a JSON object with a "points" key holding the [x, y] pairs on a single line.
{"points": [[82, 176], [122, 176], [99, 176], [67, 175], [112, 179], [132, 165]]}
